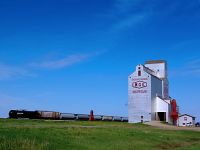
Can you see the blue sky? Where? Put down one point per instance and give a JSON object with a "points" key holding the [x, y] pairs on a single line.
{"points": [[75, 55]]}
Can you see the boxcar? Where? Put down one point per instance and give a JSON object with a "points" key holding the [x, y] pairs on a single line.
{"points": [[49, 115]]}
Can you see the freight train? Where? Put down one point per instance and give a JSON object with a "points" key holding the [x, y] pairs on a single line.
{"points": [[17, 114]]}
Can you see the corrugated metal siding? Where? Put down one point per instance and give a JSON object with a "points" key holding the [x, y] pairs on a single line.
{"points": [[49, 114]]}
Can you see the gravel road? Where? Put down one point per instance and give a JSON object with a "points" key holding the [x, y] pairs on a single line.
{"points": [[160, 125]]}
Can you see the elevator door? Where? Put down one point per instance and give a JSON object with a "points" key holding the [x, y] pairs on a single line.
{"points": [[161, 116]]}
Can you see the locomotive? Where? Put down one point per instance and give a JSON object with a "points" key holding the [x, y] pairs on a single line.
{"points": [[34, 114], [23, 114], [18, 114]]}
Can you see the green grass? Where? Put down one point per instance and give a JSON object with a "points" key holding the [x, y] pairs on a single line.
{"points": [[85, 135]]}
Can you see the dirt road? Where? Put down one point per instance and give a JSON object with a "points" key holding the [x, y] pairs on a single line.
{"points": [[160, 125]]}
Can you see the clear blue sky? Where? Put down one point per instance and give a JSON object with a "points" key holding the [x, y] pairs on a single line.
{"points": [[75, 55]]}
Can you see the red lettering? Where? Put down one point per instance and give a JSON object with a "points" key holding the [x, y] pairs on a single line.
{"points": [[139, 84], [140, 91], [136, 79]]}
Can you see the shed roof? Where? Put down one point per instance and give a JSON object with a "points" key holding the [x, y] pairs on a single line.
{"points": [[149, 71], [162, 99], [187, 115]]}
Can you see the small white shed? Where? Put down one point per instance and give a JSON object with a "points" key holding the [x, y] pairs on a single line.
{"points": [[186, 120]]}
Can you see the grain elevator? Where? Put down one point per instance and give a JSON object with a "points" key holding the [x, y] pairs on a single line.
{"points": [[148, 94]]}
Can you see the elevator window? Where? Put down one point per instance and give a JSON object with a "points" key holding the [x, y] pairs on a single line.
{"points": [[139, 73]]}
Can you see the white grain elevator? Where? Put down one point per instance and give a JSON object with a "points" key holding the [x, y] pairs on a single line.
{"points": [[148, 96]]}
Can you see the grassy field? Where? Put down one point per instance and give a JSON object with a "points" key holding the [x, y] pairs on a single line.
{"points": [[85, 135]]}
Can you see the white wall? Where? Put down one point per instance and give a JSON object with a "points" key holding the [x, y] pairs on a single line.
{"points": [[156, 90], [162, 106], [139, 97], [160, 70]]}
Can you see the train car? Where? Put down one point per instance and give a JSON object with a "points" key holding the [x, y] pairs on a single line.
{"points": [[82, 117], [62, 116], [49, 115], [124, 119], [97, 117], [107, 118], [117, 118], [23, 114], [67, 116]]}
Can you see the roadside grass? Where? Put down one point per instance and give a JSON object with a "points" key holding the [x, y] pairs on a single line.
{"points": [[85, 135]]}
